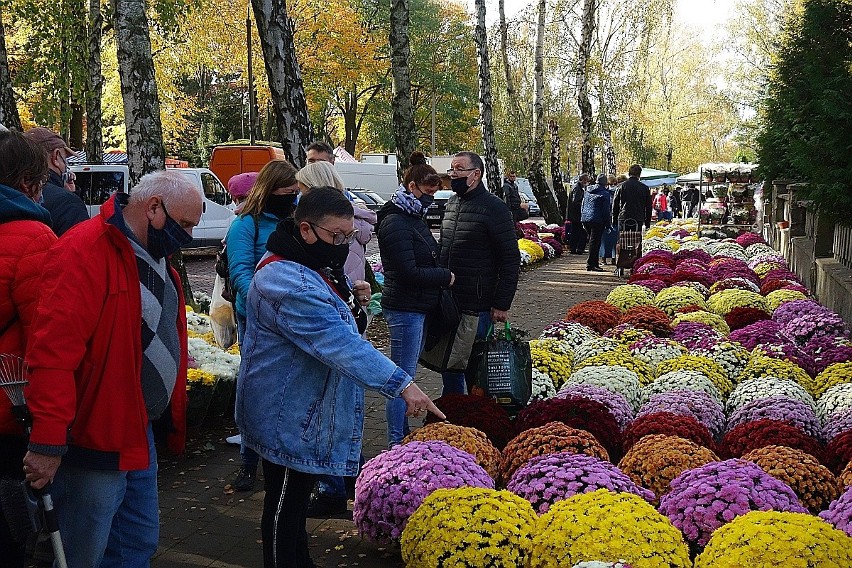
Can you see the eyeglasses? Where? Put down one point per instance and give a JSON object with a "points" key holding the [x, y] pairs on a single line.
{"points": [[458, 171], [336, 238]]}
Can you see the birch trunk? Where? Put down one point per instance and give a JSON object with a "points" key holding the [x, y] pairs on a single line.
{"points": [[588, 22], [489, 142], [94, 85], [8, 109], [609, 154], [275, 28], [145, 151], [404, 132], [542, 192]]}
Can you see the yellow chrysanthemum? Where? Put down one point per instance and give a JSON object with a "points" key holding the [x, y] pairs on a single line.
{"points": [[607, 526], [709, 368], [533, 249], [832, 375], [715, 321], [621, 358], [779, 297], [671, 299], [629, 295], [469, 528], [553, 364], [196, 377], [762, 366], [770, 538], [724, 301]]}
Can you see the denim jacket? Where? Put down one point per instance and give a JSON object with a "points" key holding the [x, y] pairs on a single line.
{"points": [[300, 396]]}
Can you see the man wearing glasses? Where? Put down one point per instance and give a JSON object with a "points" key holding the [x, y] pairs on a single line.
{"points": [[479, 246]]}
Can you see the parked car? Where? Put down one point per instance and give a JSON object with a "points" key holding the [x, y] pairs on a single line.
{"points": [[535, 210], [435, 213], [371, 199]]}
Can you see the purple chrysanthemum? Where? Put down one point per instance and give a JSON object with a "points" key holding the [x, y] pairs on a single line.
{"points": [[837, 423], [547, 479], [786, 409], [809, 326], [797, 308], [760, 332], [695, 335], [618, 406], [703, 499], [394, 483], [697, 404], [839, 513]]}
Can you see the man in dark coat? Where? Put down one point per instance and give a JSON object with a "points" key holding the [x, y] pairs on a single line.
{"points": [[479, 246], [577, 241], [632, 200], [512, 197], [65, 207]]}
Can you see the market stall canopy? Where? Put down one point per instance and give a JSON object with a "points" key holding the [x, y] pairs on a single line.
{"points": [[655, 178], [694, 177]]}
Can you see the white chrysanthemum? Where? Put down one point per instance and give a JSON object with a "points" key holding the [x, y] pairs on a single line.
{"points": [[731, 356], [613, 379], [654, 353], [766, 387], [681, 380], [835, 399], [542, 386], [594, 346], [759, 248]]}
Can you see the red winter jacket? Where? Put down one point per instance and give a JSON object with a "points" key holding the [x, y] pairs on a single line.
{"points": [[85, 354], [25, 241]]}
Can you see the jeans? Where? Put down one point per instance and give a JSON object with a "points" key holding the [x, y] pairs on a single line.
{"points": [[595, 233], [608, 241], [249, 457], [406, 342], [285, 510], [108, 518], [454, 383]]}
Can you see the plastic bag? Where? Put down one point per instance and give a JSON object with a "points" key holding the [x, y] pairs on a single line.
{"points": [[222, 318], [504, 368]]}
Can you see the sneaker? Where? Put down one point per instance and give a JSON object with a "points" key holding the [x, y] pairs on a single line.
{"points": [[324, 505], [245, 480], [235, 440]]}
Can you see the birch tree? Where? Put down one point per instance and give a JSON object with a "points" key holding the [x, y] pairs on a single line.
{"points": [[275, 28], [94, 85], [405, 135], [492, 167], [145, 150], [587, 21], [556, 170], [8, 108], [549, 209]]}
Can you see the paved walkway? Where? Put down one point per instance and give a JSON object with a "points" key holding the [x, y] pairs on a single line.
{"points": [[202, 525]]}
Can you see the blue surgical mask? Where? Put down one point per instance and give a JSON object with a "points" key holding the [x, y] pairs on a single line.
{"points": [[166, 241], [426, 200]]}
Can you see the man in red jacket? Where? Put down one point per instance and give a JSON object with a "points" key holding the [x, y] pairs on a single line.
{"points": [[107, 357]]}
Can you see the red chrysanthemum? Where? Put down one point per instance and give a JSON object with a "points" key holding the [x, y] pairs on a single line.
{"points": [[740, 317], [839, 451], [598, 315], [767, 432], [668, 424], [577, 412], [690, 309], [651, 318], [477, 412]]}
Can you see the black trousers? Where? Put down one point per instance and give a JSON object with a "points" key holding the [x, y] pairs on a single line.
{"points": [[577, 240], [285, 510], [595, 231]]}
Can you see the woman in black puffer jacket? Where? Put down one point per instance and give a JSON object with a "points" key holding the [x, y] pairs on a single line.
{"points": [[413, 279]]}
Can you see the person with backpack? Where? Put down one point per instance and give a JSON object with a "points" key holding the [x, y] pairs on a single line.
{"points": [[271, 199], [595, 215]]}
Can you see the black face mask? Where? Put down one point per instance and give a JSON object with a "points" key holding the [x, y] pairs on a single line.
{"points": [[426, 200], [459, 185], [325, 254], [166, 241], [281, 206]]}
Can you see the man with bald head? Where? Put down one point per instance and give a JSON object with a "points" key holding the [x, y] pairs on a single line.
{"points": [[107, 357]]}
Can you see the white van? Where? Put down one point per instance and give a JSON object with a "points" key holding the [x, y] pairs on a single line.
{"points": [[97, 182], [379, 178]]}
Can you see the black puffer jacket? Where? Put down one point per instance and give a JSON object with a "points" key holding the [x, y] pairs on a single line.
{"points": [[632, 201], [66, 209], [479, 245], [409, 253]]}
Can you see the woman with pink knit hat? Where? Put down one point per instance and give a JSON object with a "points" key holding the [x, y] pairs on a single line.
{"points": [[239, 187]]}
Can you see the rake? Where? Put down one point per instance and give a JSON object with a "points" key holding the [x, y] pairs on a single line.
{"points": [[13, 379]]}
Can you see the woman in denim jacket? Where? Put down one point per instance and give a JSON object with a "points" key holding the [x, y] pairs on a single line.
{"points": [[300, 400]]}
